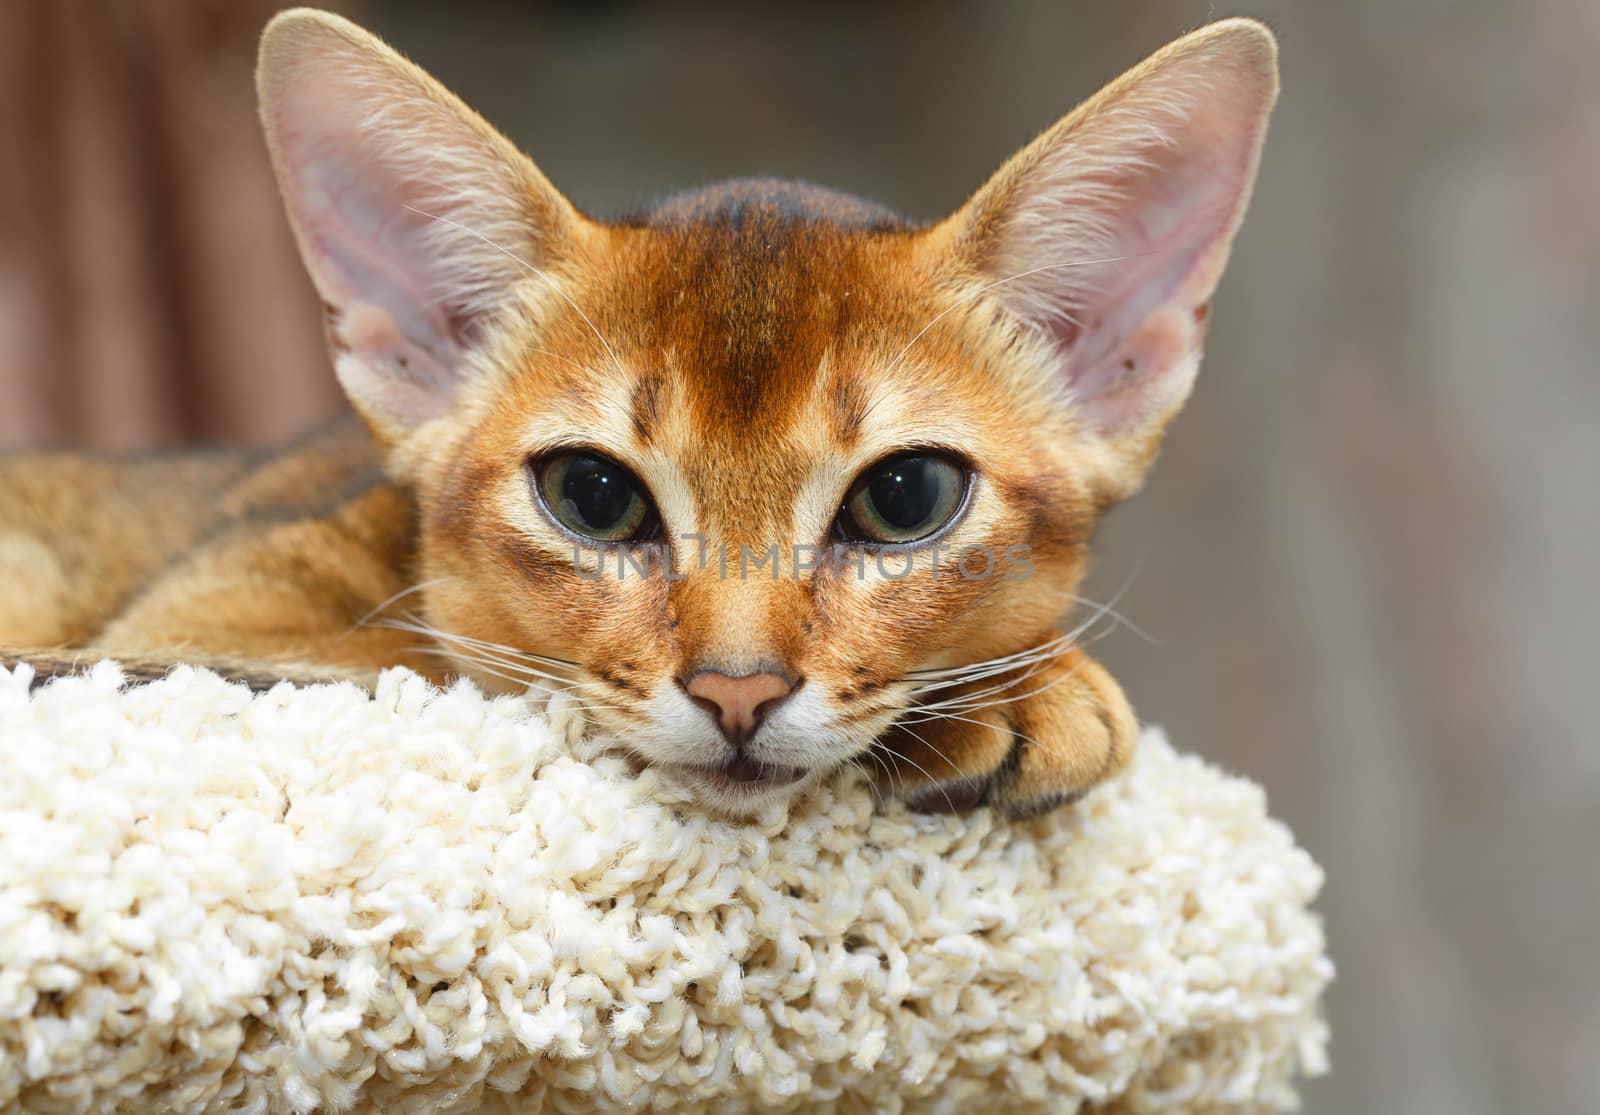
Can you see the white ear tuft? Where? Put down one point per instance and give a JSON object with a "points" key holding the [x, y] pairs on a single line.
{"points": [[1106, 236], [414, 217]]}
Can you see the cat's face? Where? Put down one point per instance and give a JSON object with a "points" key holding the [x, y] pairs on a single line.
{"points": [[745, 403], [742, 470]]}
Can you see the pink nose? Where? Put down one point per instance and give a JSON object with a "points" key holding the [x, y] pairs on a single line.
{"points": [[739, 704]]}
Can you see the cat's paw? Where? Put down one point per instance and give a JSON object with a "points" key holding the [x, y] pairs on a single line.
{"points": [[1039, 741]]}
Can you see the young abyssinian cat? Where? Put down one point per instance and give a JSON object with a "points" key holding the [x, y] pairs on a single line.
{"points": [[770, 479]]}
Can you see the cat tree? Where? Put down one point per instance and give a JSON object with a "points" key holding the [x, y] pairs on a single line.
{"points": [[316, 900]]}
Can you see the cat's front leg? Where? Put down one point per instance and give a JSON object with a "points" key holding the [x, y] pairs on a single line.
{"points": [[1024, 742]]}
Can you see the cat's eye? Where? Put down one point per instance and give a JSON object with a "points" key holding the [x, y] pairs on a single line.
{"points": [[593, 496], [903, 498]]}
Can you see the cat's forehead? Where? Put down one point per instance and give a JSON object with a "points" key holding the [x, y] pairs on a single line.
{"points": [[745, 293], [739, 344]]}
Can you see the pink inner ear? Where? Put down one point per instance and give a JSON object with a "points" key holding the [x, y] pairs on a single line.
{"points": [[415, 219], [1108, 235], [369, 248], [1124, 322], [380, 362], [1145, 376]]}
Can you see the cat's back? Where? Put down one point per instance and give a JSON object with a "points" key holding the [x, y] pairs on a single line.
{"points": [[81, 533]]}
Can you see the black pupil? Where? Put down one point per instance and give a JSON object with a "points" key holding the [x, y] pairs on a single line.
{"points": [[905, 491], [598, 490]]}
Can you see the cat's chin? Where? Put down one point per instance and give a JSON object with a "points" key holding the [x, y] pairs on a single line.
{"points": [[742, 785]]}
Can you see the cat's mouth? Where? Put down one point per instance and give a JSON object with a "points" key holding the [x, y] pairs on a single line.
{"points": [[742, 775]]}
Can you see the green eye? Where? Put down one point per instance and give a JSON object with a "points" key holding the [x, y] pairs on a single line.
{"points": [[594, 496], [903, 498]]}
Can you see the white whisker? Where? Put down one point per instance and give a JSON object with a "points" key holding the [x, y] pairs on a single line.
{"points": [[401, 595], [417, 626], [1024, 669], [937, 785], [980, 706], [951, 676], [522, 673]]}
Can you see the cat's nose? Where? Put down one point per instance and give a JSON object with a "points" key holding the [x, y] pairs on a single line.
{"points": [[738, 704]]}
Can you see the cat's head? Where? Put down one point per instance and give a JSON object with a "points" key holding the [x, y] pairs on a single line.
{"points": [[743, 467]]}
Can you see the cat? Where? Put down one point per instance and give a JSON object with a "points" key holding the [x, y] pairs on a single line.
{"points": [[768, 479]]}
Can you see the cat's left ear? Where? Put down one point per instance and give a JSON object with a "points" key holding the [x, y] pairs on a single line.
{"points": [[1104, 238], [415, 218]]}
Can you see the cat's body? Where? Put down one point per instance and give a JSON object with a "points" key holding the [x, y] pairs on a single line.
{"points": [[259, 562], [778, 403]]}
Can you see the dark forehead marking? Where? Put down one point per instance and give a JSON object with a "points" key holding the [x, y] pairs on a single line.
{"points": [[769, 200], [751, 283], [645, 406], [849, 407]]}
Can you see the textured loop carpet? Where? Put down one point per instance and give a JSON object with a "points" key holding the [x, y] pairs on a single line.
{"points": [[316, 900]]}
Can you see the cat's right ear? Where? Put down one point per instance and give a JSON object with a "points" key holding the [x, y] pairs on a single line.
{"points": [[413, 215], [1104, 239]]}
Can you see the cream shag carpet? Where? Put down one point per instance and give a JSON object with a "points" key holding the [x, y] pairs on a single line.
{"points": [[316, 900]]}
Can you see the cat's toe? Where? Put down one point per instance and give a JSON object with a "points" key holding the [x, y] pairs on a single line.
{"points": [[1022, 758], [1056, 765], [960, 796]]}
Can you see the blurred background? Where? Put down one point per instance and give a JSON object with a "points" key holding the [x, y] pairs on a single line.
{"points": [[1366, 563]]}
